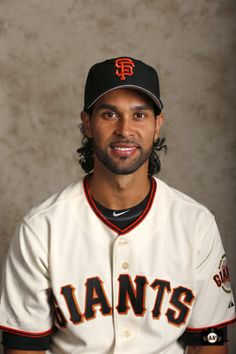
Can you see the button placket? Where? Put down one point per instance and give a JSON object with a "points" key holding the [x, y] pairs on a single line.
{"points": [[124, 250], [121, 256], [124, 262]]}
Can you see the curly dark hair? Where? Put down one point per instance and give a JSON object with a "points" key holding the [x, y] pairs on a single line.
{"points": [[86, 160]]}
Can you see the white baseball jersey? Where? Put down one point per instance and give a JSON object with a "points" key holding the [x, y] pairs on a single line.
{"points": [[111, 291]]}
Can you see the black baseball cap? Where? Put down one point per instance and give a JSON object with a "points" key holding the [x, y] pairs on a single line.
{"points": [[122, 72]]}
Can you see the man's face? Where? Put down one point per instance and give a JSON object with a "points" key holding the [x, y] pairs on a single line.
{"points": [[122, 127]]}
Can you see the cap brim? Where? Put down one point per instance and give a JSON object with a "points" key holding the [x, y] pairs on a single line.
{"points": [[134, 87]]}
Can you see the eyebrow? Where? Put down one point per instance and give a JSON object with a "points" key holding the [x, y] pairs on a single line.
{"points": [[142, 107]]}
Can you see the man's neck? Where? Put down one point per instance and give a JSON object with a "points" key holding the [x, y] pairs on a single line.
{"points": [[119, 191]]}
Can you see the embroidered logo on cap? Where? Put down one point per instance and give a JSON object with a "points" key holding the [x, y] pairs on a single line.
{"points": [[124, 67]]}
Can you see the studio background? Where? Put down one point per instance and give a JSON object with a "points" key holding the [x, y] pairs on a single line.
{"points": [[46, 49]]}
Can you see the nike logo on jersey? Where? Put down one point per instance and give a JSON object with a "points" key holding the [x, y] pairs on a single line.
{"points": [[115, 214]]}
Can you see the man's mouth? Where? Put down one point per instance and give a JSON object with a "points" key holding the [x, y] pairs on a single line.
{"points": [[124, 149]]}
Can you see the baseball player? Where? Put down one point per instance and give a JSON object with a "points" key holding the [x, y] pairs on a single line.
{"points": [[118, 262]]}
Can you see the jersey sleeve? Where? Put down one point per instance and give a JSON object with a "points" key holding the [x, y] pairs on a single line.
{"points": [[25, 295], [214, 304]]}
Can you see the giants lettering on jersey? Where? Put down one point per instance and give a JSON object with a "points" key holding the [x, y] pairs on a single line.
{"points": [[131, 297]]}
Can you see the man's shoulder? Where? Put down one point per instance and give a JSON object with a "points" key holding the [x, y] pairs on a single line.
{"points": [[178, 198], [58, 201]]}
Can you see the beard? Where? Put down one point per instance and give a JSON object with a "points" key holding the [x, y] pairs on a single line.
{"points": [[123, 166]]}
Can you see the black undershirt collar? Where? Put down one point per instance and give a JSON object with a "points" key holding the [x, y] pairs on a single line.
{"points": [[123, 217]]}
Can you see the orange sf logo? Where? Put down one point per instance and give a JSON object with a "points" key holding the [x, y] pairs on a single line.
{"points": [[124, 67]]}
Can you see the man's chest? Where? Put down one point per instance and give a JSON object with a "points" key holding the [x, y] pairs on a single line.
{"points": [[136, 275]]}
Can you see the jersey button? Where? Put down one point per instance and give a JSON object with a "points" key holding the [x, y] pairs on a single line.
{"points": [[126, 333], [122, 242], [125, 265]]}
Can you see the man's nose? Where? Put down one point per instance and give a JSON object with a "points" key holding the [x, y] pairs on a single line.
{"points": [[124, 127]]}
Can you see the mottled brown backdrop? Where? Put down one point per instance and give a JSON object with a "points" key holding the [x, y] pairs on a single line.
{"points": [[46, 49]]}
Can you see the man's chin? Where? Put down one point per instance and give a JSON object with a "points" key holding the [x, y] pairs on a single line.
{"points": [[123, 170]]}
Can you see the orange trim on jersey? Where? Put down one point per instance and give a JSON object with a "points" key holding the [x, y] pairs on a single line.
{"points": [[27, 334], [110, 224], [190, 329]]}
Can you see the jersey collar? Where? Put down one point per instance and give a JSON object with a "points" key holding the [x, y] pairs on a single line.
{"points": [[109, 223]]}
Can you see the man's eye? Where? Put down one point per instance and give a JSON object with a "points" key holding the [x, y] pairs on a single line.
{"points": [[109, 114], [139, 115]]}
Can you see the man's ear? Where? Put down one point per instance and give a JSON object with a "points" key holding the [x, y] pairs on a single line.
{"points": [[86, 124], [159, 122]]}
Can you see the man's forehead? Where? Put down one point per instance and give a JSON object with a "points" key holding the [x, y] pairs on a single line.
{"points": [[124, 96], [113, 107]]}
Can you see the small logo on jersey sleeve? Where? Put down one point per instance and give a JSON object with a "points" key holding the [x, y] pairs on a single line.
{"points": [[221, 278]]}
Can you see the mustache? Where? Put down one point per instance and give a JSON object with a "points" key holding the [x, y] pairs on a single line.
{"points": [[124, 141]]}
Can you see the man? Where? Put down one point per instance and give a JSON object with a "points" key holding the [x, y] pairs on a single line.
{"points": [[119, 262]]}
